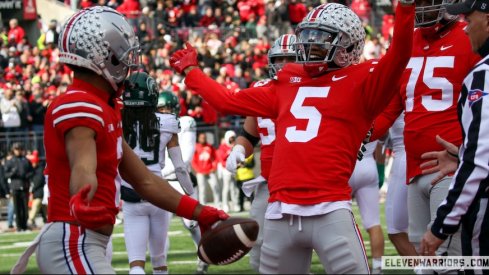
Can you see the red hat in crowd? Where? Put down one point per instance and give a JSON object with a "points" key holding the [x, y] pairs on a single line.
{"points": [[33, 157]]}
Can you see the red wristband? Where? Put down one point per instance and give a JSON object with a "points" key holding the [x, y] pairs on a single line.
{"points": [[186, 207]]}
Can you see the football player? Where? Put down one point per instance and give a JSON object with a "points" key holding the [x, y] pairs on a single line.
{"points": [[228, 180], [440, 59], [323, 110], [256, 129], [149, 134], [396, 215], [364, 183], [86, 154], [168, 104]]}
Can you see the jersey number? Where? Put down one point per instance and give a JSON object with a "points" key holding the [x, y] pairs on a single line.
{"points": [[266, 123], [432, 82], [310, 113]]}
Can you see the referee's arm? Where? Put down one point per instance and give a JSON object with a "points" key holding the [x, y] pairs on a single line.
{"points": [[471, 177]]}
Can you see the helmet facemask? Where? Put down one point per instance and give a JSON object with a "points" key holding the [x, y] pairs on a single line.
{"points": [[429, 13]]}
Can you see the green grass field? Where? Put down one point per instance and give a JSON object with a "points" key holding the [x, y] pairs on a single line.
{"points": [[182, 257]]}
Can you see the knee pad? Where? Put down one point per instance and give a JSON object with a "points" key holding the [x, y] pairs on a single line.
{"points": [[340, 257], [268, 261]]}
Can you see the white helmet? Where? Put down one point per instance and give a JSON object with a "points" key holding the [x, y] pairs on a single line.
{"points": [[284, 46], [101, 40], [337, 30], [430, 12]]}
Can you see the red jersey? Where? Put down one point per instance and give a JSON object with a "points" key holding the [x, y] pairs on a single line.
{"points": [[204, 160], [321, 121], [222, 153], [87, 106], [429, 93]]}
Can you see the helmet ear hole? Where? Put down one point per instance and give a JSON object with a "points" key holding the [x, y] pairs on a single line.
{"points": [[114, 61]]}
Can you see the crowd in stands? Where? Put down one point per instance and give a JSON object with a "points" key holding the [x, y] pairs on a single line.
{"points": [[232, 38]]}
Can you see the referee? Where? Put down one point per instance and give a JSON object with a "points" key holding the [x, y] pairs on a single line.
{"points": [[467, 200]]}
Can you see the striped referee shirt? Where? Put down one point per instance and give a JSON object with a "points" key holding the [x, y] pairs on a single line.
{"points": [[471, 179]]}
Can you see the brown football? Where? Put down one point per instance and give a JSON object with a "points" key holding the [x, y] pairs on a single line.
{"points": [[228, 241]]}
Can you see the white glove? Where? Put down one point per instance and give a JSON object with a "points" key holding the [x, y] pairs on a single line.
{"points": [[236, 156]]}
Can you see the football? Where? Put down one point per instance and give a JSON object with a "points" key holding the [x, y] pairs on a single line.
{"points": [[228, 241]]}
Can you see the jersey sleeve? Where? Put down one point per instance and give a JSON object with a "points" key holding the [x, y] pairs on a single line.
{"points": [[78, 109], [384, 77], [187, 124], [256, 101], [385, 120]]}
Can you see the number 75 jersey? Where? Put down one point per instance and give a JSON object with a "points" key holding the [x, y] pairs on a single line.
{"points": [[429, 93]]}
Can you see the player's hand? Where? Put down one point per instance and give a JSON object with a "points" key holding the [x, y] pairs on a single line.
{"points": [[209, 216], [87, 215], [429, 244], [442, 162], [182, 59], [236, 157]]}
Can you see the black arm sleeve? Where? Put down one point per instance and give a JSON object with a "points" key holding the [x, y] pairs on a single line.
{"points": [[253, 140]]}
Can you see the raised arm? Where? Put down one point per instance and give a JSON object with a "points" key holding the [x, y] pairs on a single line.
{"points": [[259, 101], [383, 82]]}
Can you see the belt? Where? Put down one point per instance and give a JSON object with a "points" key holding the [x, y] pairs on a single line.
{"points": [[104, 230]]}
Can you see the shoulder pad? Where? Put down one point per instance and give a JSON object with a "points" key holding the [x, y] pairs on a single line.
{"points": [[188, 124]]}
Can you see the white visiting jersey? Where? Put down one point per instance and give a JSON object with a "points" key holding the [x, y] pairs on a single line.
{"points": [[155, 159], [187, 139]]}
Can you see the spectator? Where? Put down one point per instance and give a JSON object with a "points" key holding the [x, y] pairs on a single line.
{"points": [[38, 182], [16, 32], [219, 17], [297, 11], [192, 18], [86, 4], [245, 10], [208, 18], [37, 108], [4, 189], [10, 110], [362, 9], [19, 170], [229, 189], [244, 173], [24, 112], [204, 164], [131, 9]]}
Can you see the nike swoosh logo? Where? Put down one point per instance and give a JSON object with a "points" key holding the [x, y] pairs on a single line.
{"points": [[334, 78], [445, 47]]}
